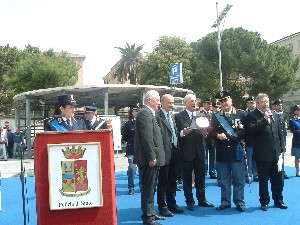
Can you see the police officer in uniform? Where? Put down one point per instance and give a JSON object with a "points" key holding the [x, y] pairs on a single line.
{"points": [[251, 171], [91, 120], [64, 119], [281, 118], [231, 166], [210, 151]]}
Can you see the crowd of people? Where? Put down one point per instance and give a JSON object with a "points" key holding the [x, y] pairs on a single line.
{"points": [[236, 147]]}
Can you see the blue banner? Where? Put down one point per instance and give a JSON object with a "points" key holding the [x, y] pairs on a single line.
{"points": [[176, 76]]}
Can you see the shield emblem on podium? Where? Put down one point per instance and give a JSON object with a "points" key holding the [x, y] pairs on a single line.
{"points": [[74, 176]]}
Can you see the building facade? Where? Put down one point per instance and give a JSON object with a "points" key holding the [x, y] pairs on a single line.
{"points": [[292, 42], [111, 77]]}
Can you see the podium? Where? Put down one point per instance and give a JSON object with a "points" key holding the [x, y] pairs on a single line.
{"points": [[75, 178]]}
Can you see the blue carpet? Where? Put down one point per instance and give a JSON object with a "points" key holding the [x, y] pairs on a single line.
{"points": [[128, 207]]}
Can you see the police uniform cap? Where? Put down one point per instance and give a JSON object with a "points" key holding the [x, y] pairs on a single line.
{"points": [[277, 102], [66, 99], [89, 109], [295, 107], [207, 100], [215, 104], [250, 99], [222, 95], [134, 107]]}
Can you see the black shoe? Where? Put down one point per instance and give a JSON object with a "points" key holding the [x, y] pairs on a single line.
{"points": [[240, 208], [130, 192], [157, 217], [205, 204], [165, 212], [178, 189], [151, 222], [264, 207], [175, 209], [280, 205], [213, 176], [190, 206], [286, 177], [255, 179], [222, 207]]}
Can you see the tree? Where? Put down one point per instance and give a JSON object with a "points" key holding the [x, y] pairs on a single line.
{"points": [[155, 70], [249, 64], [129, 64], [30, 69]]}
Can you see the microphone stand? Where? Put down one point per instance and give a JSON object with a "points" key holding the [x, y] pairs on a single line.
{"points": [[22, 178]]}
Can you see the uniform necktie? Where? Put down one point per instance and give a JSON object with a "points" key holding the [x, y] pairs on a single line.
{"points": [[174, 139], [69, 123]]}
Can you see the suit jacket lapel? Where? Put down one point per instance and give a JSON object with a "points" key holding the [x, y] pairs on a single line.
{"points": [[164, 119]]}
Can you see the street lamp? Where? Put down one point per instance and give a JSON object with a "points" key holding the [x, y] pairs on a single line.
{"points": [[217, 24]]}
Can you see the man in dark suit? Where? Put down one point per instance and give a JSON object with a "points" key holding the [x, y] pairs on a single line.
{"points": [[64, 119], [192, 154], [149, 154], [91, 120], [281, 117], [227, 132], [268, 147], [168, 174]]}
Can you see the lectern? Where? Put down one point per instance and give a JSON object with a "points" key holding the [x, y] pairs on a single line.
{"points": [[75, 178]]}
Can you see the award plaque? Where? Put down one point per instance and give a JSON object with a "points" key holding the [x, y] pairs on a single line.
{"points": [[199, 122]]}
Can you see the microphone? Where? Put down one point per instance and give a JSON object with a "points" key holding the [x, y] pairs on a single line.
{"points": [[270, 115]]}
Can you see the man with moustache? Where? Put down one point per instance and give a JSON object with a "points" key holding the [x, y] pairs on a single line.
{"points": [[168, 174], [231, 165], [149, 154], [268, 147], [192, 154]]}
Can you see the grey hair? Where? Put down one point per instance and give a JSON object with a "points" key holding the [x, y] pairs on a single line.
{"points": [[187, 97], [259, 96], [150, 94]]}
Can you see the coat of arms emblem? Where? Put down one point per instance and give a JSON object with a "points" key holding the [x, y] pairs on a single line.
{"points": [[74, 172]]}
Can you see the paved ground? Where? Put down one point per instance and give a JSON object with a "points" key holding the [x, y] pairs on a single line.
{"points": [[12, 167]]}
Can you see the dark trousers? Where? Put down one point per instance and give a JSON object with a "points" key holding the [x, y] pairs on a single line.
{"points": [[167, 182], [10, 147], [210, 157], [265, 171], [199, 170], [149, 181]]}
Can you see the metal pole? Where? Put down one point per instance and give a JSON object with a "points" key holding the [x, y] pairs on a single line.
{"points": [[219, 48], [217, 24]]}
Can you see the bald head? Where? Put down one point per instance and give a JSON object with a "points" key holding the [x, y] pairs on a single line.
{"points": [[167, 102]]}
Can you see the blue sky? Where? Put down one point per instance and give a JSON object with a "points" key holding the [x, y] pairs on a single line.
{"points": [[93, 28]]}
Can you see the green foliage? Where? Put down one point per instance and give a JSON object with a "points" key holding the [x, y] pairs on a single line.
{"points": [[156, 69], [30, 69], [249, 65], [130, 63]]}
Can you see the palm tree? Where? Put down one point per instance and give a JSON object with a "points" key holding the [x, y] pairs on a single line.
{"points": [[129, 63]]}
